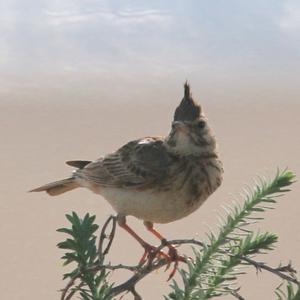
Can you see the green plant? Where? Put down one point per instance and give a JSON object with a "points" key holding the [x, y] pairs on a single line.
{"points": [[214, 269], [81, 250]]}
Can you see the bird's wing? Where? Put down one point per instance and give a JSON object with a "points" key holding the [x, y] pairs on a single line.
{"points": [[137, 164]]}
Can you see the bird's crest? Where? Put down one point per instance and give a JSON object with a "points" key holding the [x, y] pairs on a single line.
{"points": [[187, 110]]}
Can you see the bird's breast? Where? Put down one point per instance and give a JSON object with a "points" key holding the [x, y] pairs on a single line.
{"points": [[203, 178]]}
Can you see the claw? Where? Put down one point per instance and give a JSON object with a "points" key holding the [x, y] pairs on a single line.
{"points": [[172, 254], [176, 258], [143, 258], [151, 253]]}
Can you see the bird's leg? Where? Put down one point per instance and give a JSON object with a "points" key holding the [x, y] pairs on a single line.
{"points": [[173, 254], [149, 249]]}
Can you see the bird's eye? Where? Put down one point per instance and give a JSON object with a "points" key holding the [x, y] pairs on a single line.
{"points": [[201, 124]]}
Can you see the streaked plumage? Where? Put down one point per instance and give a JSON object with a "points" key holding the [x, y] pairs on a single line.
{"points": [[156, 179]]}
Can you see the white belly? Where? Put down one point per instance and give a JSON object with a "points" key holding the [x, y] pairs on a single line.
{"points": [[163, 207]]}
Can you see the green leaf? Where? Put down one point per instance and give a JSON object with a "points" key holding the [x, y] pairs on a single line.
{"points": [[68, 244], [66, 230]]}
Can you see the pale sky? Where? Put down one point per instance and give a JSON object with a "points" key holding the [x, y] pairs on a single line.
{"points": [[219, 41]]}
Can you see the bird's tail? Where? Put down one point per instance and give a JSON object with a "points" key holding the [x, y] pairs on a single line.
{"points": [[58, 187]]}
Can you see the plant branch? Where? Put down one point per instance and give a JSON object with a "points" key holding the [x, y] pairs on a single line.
{"points": [[280, 271], [103, 236]]}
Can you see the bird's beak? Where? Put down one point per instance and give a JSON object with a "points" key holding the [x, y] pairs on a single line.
{"points": [[179, 127]]}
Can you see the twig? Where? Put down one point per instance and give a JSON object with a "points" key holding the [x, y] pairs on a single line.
{"points": [[74, 291], [68, 286], [277, 271], [103, 236], [129, 284], [136, 295], [98, 267], [237, 295], [178, 242]]}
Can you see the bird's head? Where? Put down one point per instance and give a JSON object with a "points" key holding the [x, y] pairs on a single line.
{"points": [[190, 133]]}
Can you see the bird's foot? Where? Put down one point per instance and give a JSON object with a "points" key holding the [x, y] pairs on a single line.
{"points": [[176, 258], [151, 253]]}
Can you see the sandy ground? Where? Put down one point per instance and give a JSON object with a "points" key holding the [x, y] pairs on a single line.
{"points": [[37, 136]]}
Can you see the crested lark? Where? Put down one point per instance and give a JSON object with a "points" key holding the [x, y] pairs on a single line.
{"points": [[155, 179]]}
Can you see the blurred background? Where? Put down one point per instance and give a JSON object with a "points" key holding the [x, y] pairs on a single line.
{"points": [[80, 78]]}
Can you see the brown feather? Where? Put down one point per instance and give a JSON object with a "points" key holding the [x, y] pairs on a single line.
{"points": [[58, 187]]}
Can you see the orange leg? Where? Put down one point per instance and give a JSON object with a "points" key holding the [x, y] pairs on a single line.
{"points": [[173, 254], [149, 249]]}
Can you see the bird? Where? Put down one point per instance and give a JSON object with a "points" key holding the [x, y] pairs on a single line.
{"points": [[155, 179]]}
